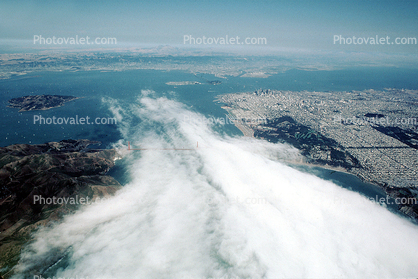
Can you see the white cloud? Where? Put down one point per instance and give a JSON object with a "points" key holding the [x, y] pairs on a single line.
{"points": [[228, 209]]}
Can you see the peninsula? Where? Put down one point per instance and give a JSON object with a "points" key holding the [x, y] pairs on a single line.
{"points": [[371, 134]]}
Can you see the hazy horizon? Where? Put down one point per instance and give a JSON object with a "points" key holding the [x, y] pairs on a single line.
{"points": [[283, 24]]}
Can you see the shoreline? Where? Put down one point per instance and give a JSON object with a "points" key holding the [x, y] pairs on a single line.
{"points": [[245, 130], [249, 132], [328, 167], [23, 105]]}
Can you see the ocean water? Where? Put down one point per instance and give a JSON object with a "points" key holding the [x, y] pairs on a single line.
{"points": [[94, 86], [228, 209]]}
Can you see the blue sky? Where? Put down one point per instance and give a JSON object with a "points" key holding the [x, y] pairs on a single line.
{"points": [[285, 24]]}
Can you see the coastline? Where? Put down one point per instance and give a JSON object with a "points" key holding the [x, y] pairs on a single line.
{"points": [[407, 210], [245, 129], [67, 174], [40, 100], [328, 167], [249, 132]]}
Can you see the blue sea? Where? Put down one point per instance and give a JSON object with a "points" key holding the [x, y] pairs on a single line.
{"points": [[228, 209], [94, 86], [126, 86]]}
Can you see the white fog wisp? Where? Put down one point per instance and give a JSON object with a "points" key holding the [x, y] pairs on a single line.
{"points": [[228, 209]]}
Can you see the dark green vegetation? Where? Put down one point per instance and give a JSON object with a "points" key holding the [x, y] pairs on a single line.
{"points": [[214, 82], [319, 149], [408, 137], [66, 169], [406, 199], [39, 102], [316, 147], [374, 115]]}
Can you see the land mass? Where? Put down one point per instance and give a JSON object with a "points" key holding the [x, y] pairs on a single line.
{"points": [[371, 134], [65, 169], [39, 102], [178, 83]]}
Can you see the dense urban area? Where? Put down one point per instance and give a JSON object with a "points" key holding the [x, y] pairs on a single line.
{"points": [[372, 134]]}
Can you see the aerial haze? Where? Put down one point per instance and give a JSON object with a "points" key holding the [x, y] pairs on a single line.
{"points": [[285, 24], [208, 140]]}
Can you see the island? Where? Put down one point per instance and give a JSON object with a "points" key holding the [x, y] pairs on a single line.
{"points": [[39, 102], [214, 82], [178, 83], [30, 174]]}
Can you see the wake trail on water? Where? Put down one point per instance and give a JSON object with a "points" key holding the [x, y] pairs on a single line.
{"points": [[227, 209]]}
